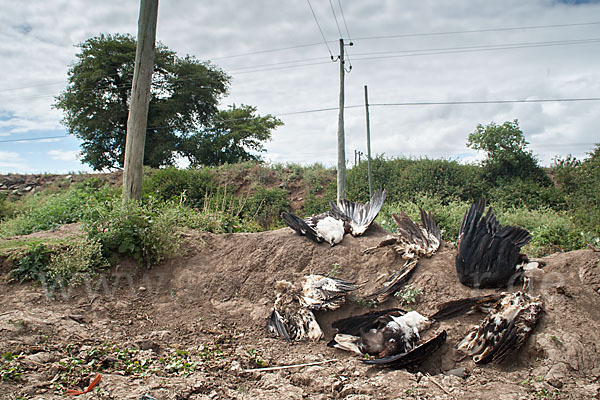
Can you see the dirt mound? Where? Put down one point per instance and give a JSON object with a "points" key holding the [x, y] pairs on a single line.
{"points": [[207, 308]]}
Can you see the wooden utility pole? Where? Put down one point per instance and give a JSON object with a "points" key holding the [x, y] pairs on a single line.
{"points": [[368, 141], [341, 164], [140, 98]]}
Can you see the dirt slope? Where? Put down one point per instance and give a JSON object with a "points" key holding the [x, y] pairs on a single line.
{"points": [[211, 304]]}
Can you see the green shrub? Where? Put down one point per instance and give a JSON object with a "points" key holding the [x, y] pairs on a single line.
{"points": [[30, 264], [189, 185], [59, 265], [45, 212], [148, 232], [69, 266], [265, 205]]}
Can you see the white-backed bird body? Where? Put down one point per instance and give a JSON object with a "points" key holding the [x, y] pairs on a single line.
{"points": [[292, 316], [331, 229], [393, 337]]}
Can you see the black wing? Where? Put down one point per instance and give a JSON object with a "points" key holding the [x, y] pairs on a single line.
{"points": [[416, 355], [455, 308], [394, 282], [300, 226], [360, 323], [488, 253]]}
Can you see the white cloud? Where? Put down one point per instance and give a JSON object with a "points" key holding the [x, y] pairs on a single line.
{"points": [[37, 47], [62, 155]]}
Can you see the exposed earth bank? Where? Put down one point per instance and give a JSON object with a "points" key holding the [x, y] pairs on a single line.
{"points": [[192, 327]]}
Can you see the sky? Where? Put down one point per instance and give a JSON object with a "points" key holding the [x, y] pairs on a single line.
{"points": [[434, 71]]}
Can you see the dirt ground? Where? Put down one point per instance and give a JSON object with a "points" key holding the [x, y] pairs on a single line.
{"points": [[193, 327]]}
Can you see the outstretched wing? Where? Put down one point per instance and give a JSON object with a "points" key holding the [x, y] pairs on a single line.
{"points": [[455, 308], [324, 293], [360, 323], [488, 252], [300, 226], [504, 329], [394, 282], [360, 216], [424, 241]]}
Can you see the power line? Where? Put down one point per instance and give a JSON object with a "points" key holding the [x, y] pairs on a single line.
{"points": [[487, 47], [320, 30], [476, 31], [344, 18], [336, 20], [32, 139], [424, 103]]}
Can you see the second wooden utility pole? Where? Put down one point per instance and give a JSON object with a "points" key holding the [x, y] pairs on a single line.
{"points": [[140, 98], [368, 142], [341, 164]]}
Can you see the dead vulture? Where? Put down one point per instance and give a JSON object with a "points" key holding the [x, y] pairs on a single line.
{"points": [[488, 253], [344, 217], [317, 227], [411, 242], [358, 217], [509, 322], [393, 338], [292, 317]]}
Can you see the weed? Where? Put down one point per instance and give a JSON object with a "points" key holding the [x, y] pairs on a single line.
{"points": [[256, 357], [360, 302], [408, 294], [335, 269], [32, 264], [556, 340]]}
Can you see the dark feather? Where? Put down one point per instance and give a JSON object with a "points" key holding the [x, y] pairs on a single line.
{"points": [[276, 326], [394, 282], [488, 253], [300, 226], [414, 356], [359, 323], [455, 308]]}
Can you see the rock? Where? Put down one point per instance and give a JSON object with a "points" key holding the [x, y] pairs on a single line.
{"points": [[459, 372], [41, 358]]}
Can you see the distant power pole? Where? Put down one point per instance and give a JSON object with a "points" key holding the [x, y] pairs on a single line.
{"points": [[140, 98], [341, 164], [368, 142]]}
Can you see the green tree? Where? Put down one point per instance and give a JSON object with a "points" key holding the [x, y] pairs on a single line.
{"points": [[234, 135], [183, 105], [507, 157]]}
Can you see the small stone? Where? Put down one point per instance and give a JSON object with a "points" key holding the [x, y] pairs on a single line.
{"points": [[555, 382], [142, 289], [459, 372]]}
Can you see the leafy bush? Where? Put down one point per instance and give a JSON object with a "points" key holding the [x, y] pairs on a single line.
{"points": [[148, 232], [45, 212], [191, 185], [405, 178], [31, 264], [70, 266], [265, 205], [63, 265]]}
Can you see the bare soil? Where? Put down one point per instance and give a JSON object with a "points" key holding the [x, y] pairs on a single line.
{"points": [[211, 304]]}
